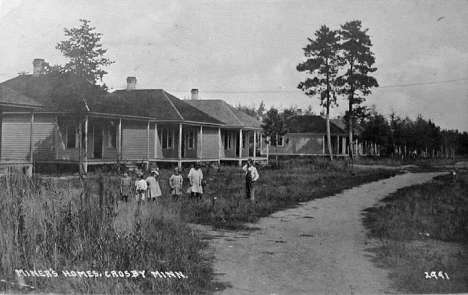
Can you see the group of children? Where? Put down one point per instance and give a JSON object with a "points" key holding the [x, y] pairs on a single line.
{"points": [[149, 189]]}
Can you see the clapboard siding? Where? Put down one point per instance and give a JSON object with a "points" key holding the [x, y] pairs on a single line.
{"points": [[134, 140], [16, 129], [299, 144], [210, 143]]}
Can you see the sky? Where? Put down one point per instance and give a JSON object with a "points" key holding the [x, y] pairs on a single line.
{"points": [[247, 51]]}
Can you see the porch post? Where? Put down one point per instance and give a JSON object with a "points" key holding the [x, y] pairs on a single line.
{"points": [[345, 145], [29, 172], [201, 143], [85, 156], [147, 145], [56, 138], [179, 147], [337, 144], [357, 147], [220, 144], [255, 144], [323, 145], [156, 138], [240, 147], [119, 142]]}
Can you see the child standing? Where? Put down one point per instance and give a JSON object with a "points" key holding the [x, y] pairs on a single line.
{"points": [[196, 176], [175, 182], [153, 185], [125, 187], [141, 188]]}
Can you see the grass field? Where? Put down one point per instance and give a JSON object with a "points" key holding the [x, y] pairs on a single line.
{"points": [[295, 181], [59, 232], [424, 235], [67, 227]]}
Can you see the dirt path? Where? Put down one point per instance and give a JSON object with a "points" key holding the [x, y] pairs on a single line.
{"points": [[317, 248]]}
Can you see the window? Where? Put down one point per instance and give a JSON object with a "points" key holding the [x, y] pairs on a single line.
{"points": [[190, 139], [69, 133], [112, 135], [166, 136], [227, 140], [279, 140]]}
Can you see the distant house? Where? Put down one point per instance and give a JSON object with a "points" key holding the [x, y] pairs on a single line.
{"points": [[307, 136], [127, 126], [239, 137], [361, 147]]}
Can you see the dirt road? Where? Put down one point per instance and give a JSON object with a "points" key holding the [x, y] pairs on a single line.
{"points": [[317, 248]]}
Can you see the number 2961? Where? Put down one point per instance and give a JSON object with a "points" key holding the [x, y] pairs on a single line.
{"points": [[437, 275]]}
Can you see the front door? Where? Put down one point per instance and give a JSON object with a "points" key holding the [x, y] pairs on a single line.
{"points": [[97, 140]]}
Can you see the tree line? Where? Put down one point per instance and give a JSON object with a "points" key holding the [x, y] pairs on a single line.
{"points": [[403, 136], [395, 135]]}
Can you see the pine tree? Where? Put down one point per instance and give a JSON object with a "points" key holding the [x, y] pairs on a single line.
{"points": [[84, 49], [77, 82], [323, 62], [356, 82]]}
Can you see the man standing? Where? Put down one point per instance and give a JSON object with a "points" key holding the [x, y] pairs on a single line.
{"points": [[251, 176]]}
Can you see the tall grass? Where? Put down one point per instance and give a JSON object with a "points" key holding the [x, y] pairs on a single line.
{"points": [[424, 228], [224, 204], [73, 226], [47, 228]]}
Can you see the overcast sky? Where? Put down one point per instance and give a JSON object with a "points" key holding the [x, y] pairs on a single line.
{"points": [[247, 51]]}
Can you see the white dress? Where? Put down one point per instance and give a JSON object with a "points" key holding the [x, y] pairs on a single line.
{"points": [[196, 176], [153, 187]]}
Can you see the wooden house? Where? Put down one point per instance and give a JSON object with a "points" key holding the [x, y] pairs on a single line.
{"points": [[360, 147], [239, 137], [174, 131], [307, 136], [126, 127]]}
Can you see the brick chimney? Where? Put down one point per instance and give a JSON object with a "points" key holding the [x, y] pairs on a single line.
{"points": [[194, 94], [131, 83], [38, 64]]}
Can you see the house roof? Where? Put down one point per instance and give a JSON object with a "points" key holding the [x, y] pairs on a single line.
{"points": [[153, 103], [38, 88], [150, 103], [10, 97], [225, 113], [340, 122], [310, 124]]}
